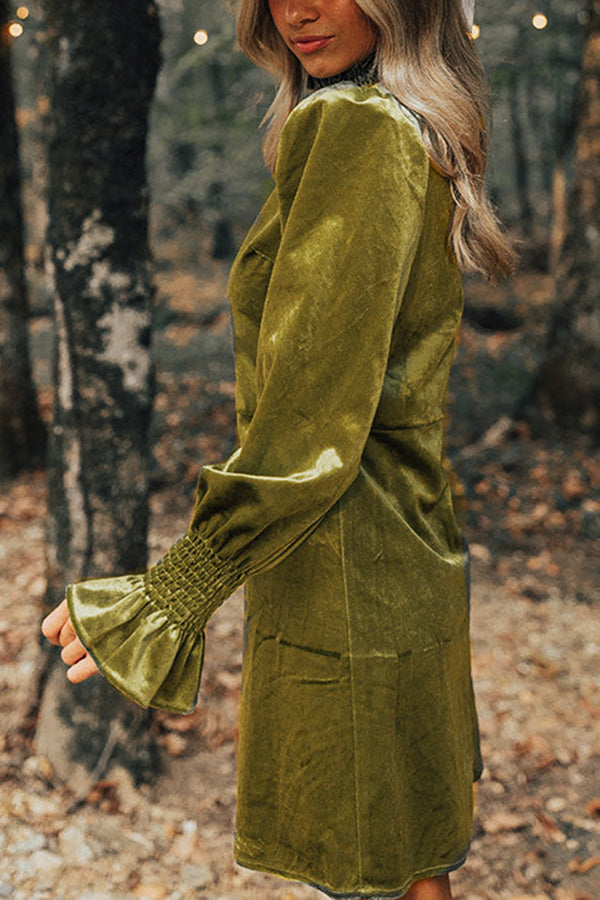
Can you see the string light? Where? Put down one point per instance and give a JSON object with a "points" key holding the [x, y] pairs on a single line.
{"points": [[539, 21], [201, 37], [15, 29], [22, 12]]}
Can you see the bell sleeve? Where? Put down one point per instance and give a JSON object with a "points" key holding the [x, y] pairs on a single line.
{"points": [[350, 179]]}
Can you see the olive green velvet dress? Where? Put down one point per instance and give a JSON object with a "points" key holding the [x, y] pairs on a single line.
{"points": [[358, 733]]}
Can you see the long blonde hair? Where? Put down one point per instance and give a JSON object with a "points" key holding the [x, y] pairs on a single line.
{"points": [[426, 58]]}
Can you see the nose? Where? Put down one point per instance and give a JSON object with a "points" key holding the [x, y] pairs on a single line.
{"points": [[298, 12]]}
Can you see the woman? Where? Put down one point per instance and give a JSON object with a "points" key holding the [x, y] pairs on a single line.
{"points": [[358, 731]]}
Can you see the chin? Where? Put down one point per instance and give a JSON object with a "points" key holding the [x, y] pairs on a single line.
{"points": [[321, 69]]}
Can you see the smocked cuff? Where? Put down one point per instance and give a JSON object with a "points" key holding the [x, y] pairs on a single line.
{"points": [[146, 632]]}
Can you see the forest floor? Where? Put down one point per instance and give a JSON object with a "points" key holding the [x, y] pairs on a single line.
{"points": [[530, 507]]}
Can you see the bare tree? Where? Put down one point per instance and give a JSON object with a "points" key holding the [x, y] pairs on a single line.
{"points": [[22, 433], [567, 387], [104, 58]]}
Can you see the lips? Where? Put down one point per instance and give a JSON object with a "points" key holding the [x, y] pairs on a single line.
{"points": [[310, 43]]}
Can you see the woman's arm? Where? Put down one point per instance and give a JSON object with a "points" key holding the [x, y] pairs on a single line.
{"points": [[351, 181]]}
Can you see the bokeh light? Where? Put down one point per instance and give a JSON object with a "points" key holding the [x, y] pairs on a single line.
{"points": [[201, 37], [539, 21], [22, 12], [475, 32], [15, 29]]}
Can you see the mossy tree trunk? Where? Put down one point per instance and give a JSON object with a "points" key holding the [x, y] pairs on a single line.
{"points": [[22, 433], [567, 387], [104, 57]]}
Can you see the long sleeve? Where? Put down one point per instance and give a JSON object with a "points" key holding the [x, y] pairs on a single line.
{"points": [[351, 179]]}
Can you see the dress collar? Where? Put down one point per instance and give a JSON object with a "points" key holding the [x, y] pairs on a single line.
{"points": [[362, 72]]}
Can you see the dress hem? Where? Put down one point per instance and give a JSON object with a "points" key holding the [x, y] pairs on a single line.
{"points": [[430, 872]]}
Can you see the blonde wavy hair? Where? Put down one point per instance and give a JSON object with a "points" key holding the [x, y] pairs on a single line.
{"points": [[426, 58]]}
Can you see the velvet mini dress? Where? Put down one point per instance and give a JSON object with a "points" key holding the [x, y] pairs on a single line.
{"points": [[358, 741]]}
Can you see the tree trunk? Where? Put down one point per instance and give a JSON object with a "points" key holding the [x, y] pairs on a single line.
{"points": [[560, 195], [522, 179], [104, 58], [22, 433], [223, 244], [567, 387], [558, 224]]}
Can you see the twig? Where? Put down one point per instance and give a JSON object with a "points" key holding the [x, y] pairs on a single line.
{"points": [[114, 734], [491, 438]]}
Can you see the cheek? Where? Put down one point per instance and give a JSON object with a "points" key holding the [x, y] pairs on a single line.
{"points": [[365, 39], [277, 13], [361, 27]]}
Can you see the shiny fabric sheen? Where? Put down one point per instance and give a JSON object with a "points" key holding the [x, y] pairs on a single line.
{"points": [[358, 732]]}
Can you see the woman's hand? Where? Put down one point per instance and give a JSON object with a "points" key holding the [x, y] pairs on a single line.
{"points": [[58, 629]]}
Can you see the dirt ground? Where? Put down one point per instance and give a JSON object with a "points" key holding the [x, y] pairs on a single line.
{"points": [[531, 512]]}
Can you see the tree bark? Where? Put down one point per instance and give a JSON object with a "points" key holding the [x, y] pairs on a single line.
{"points": [[104, 58], [560, 194], [522, 173], [567, 387], [22, 433]]}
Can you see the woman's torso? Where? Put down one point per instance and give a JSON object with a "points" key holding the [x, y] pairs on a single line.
{"points": [[403, 455]]}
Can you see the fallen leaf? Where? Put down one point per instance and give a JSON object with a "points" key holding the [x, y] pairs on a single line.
{"points": [[543, 563], [170, 830], [480, 552], [563, 894], [539, 512], [180, 724], [505, 821], [529, 897], [582, 866], [533, 743], [151, 891], [186, 845], [548, 667], [593, 808], [104, 795], [231, 681], [540, 473], [496, 342], [573, 485], [175, 744], [548, 828]]}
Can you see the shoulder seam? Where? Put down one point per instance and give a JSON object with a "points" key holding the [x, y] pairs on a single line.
{"points": [[356, 93]]}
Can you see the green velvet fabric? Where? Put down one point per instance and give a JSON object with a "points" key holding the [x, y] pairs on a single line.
{"points": [[358, 732]]}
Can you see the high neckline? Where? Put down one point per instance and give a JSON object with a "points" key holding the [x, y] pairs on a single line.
{"points": [[362, 72]]}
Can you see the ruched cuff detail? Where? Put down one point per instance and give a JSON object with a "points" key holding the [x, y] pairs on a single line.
{"points": [[146, 632]]}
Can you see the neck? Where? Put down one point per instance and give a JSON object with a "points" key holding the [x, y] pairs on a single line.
{"points": [[362, 72]]}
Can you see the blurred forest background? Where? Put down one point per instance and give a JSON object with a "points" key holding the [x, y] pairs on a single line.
{"points": [[205, 165], [130, 169]]}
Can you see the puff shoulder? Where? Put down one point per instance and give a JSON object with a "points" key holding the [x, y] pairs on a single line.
{"points": [[348, 124]]}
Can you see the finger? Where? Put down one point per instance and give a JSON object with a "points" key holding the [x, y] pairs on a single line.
{"points": [[82, 669], [67, 634], [54, 622], [72, 652]]}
